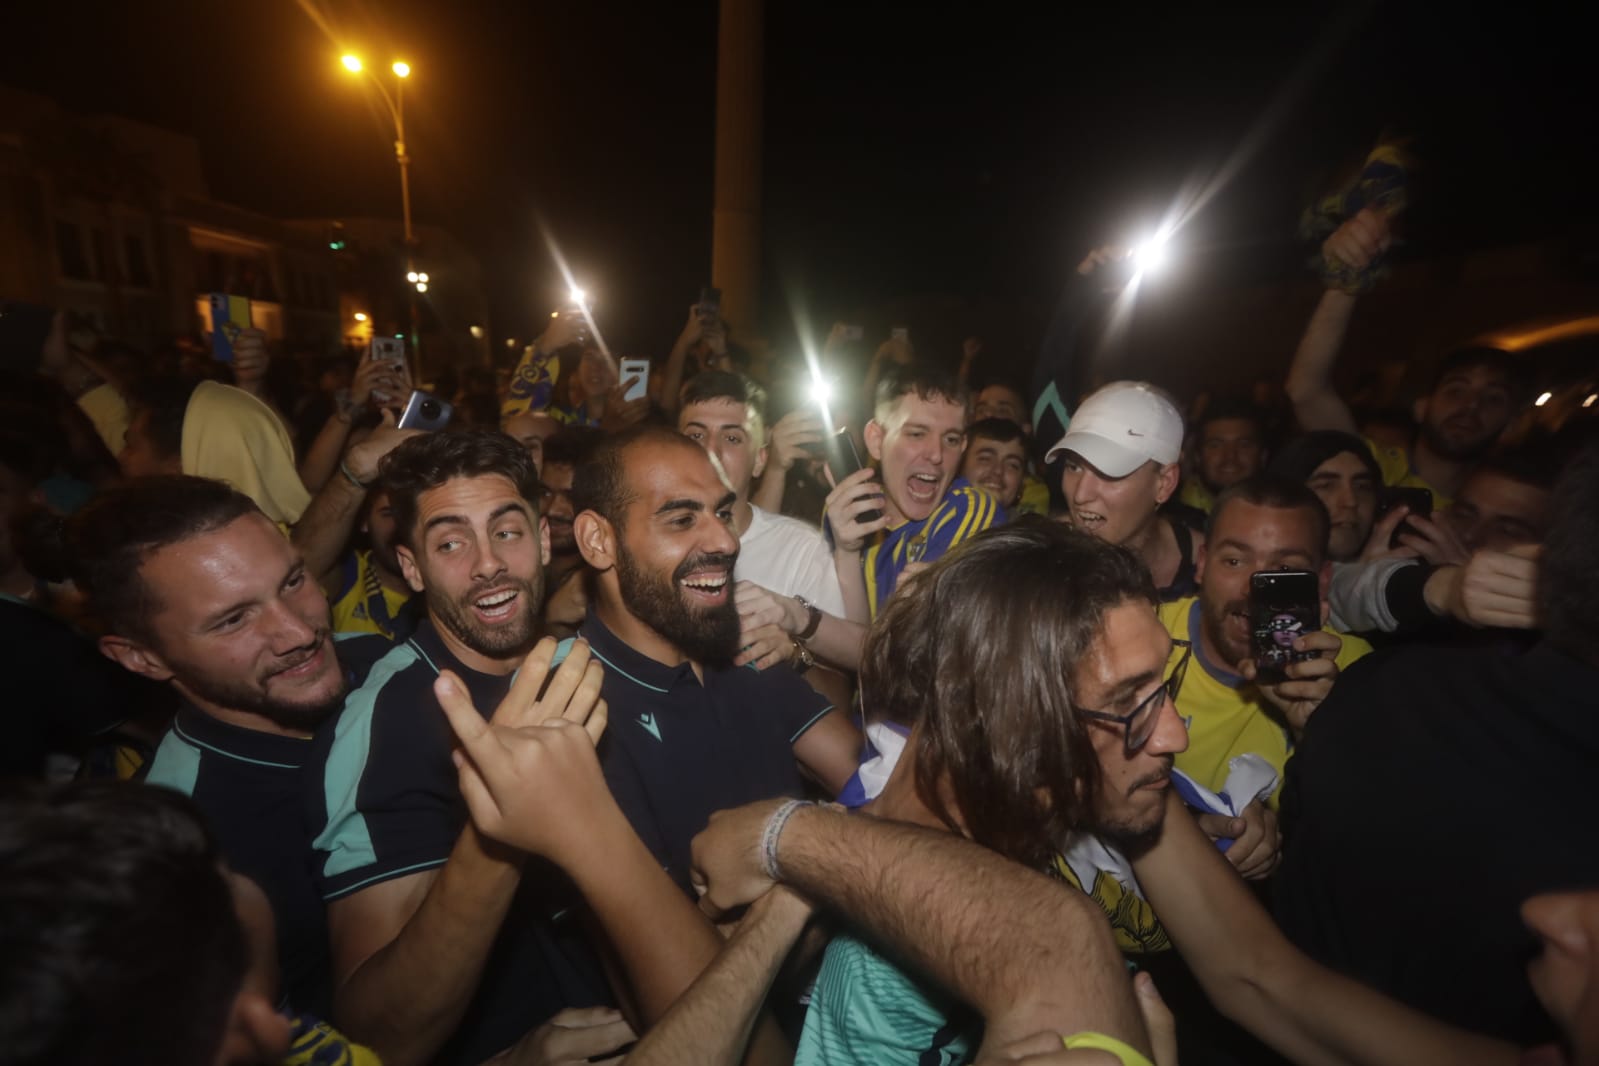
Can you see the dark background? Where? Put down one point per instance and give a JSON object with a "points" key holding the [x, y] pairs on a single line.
{"points": [[953, 156]]}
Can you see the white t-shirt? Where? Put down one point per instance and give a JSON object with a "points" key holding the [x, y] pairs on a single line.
{"points": [[790, 558]]}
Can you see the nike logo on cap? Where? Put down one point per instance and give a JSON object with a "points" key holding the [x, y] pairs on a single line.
{"points": [[1134, 433]]}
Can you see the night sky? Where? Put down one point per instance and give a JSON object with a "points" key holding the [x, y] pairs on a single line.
{"points": [[914, 154]]}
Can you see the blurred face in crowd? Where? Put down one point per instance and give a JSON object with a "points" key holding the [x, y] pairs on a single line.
{"points": [[478, 553], [531, 429], [675, 549], [1565, 976], [1246, 538], [1466, 412], [728, 430], [557, 506], [1496, 513], [381, 530], [917, 442], [595, 373], [1230, 450], [239, 627], [1124, 665], [997, 466], [1000, 401], [1114, 509], [1349, 492], [140, 457]]}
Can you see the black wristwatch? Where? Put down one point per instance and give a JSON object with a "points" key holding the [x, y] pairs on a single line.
{"points": [[815, 620]]}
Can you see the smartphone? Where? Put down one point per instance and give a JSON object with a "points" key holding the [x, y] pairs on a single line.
{"points": [[843, 460], [900, 333], [386, 350], [1283, 605], [426, 412], [636, 368], [229, 315], [710, 303], [853, 333], [1417, 500]]}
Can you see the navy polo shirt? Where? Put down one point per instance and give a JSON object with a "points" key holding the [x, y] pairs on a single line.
{"points": [[249, 785], [676, 750], [385, 796]]}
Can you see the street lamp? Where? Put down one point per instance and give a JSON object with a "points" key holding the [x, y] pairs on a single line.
{"points": [[396, 106]]}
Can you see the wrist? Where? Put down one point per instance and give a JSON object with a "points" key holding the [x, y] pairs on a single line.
{"points": [[1440, 590]]}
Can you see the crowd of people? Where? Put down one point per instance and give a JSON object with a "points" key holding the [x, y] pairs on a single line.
{"points": [[633, 722]]}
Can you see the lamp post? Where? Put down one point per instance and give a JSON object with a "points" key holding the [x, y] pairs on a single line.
{"points": [[396, 106]]}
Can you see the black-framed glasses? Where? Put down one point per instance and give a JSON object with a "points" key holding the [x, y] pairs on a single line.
{"points": [[1140, 724]]}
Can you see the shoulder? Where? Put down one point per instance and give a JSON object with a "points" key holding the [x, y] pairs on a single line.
{"points": [[176, 764], [1354, 648], [1174, 616], [965, 510]]}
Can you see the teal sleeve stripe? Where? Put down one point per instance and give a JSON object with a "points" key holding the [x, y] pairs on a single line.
{"points": [[176, 765], [345, 840], [387, 875], [823, 713]]}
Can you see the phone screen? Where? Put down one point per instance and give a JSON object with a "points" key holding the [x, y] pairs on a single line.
{"points": [[229, 315], [1417, 501], [1283, 605]]}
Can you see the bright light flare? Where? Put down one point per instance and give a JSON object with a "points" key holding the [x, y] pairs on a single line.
{"points": [[423, 278], [360, 316], [1592, 397], [402, 70], [413, 277], [1150, 256], [476, 331], [821, 391], [421, 286], [351, 64], [1543, 398], [579, 297]]}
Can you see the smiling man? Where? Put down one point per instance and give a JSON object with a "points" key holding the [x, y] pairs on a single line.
{"points": [[690, 733], [202, 591]]}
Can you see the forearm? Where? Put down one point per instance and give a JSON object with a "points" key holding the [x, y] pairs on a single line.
{"points": [[922, 892], [1309, 385], [710, 1024], [768, 495], [1253, 974], [408, 997], [321, 460], [672, 376], [852, 583], [325, 527], [661, 939], [838, 641]]}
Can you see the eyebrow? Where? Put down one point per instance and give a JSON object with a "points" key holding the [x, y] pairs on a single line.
{"points": [[680, 504], [462, 520], [724, 425], [1129, 687], [216, 617], [1235, 545]]}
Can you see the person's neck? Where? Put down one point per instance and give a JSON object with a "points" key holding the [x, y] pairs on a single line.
{"points": [[1212, 652], [251, 720], [1442, 473], [639, 636], [743, 513], [390, 580], [1157, 546], [595, 406], [473, 659]]}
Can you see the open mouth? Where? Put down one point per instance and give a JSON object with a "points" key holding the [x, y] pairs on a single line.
{"points": [[707, 587], [497, 605], [922, 488], [307, 665], [1088, 520]]}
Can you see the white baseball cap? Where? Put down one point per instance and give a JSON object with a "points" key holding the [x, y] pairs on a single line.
{"points": [[1121, 427]]}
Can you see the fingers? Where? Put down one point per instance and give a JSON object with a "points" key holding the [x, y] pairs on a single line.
{"points": [[597, 720], [469, 726], [579, 1043], [524, 691], [1158, 1020], [575, 688], [480, 800], [1220, 826], [1382, 534]]}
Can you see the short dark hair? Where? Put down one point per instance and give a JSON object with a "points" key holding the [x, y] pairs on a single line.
{"points": [[600, 485], [1515, 371], [1280, 494], [119, 941], [166, 401], [1298, 459], [925, 382], [726, 385], [1537, 463], [990, 684], [427, 461], [1225, 408], [109, 538], [572, 445], [1000, 429], [1568, 571]]}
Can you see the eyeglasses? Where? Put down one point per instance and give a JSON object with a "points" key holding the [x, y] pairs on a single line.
{"points": [[1140, 724]]}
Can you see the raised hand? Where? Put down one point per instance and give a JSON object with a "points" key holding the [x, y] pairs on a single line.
{"points": [[852, 498], [1308, 681]]}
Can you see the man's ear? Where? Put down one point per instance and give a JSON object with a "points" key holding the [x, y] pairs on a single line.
{"points": [[1166, 479], [255, 1032], [408, 568], [544, 540], [1323, 581], [760, 462], [135, 658], [1418, 410], [1201, 552], [596, 540], [874, 434]]}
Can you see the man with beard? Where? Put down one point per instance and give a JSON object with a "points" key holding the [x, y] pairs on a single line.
{"points": [[368, 592], [1473, 397], [445, 947], [1259, 524], [201, 590], [691, 733], [1230, 446]]}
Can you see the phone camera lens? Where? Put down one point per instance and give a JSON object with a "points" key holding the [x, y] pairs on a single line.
{"points": [[430, 409]]}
